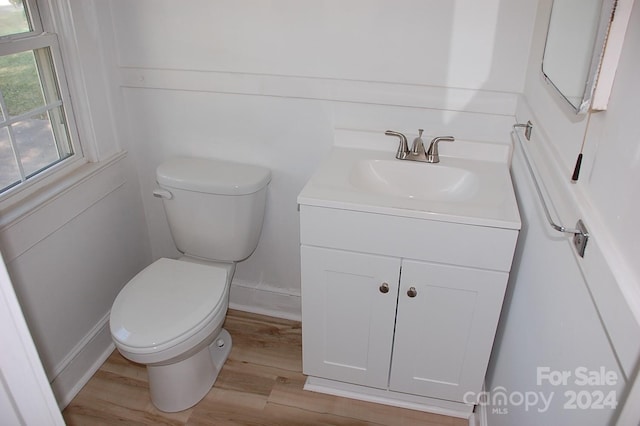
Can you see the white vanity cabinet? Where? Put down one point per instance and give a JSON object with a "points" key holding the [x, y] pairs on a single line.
{"points": [[349, 308], [408, 307], [404, 270], [445, 324]]}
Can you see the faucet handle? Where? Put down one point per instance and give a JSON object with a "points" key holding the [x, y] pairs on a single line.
{"points": [[433, 156], [403, 148]]}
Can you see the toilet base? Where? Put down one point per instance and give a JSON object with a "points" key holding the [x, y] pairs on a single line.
{"points": [[176, 387]]}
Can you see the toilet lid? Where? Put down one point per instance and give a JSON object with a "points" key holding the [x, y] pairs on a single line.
{"points": [[168, 300]]}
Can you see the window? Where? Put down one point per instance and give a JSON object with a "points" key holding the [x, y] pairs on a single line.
{"points": [[37, 132]]}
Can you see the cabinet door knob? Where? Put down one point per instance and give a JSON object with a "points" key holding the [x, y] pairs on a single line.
{"points": [[412, 292], [384, 288]]}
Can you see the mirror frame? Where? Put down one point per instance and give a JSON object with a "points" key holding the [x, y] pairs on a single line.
{"points": [[605, 20]]}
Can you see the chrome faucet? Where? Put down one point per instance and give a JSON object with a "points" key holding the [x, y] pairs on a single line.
{"points": [[417, 152]]}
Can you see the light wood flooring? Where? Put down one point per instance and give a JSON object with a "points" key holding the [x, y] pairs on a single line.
{"points": [[260, 384]]}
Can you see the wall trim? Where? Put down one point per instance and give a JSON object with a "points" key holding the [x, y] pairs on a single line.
{"points": [[61, 20], [479, 416], [265, 300], [388, 397], [75, 370], [326, 89], [24, 225]]}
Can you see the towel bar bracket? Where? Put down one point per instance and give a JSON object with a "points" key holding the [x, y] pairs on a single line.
{"points": [[527, 129], [580, 238]]}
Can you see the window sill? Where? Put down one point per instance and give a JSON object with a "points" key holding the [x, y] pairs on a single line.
{"points": [[28, 201]]}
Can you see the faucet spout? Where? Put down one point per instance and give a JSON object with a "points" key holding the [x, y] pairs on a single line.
{"points": [[418, 145]]}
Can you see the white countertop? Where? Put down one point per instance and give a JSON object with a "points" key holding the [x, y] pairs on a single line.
{"points": [[489, 200]]}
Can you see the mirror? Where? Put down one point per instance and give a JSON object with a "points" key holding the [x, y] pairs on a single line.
{"points": [[574, 48]]}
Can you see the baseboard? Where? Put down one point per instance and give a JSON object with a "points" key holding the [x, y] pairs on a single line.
{"points": [[479, 416], [75, 370], [265, 300], [386, 397], [82, 362]]}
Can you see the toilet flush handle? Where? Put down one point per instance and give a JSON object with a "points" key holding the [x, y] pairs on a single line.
{"points": [[162, 193]]}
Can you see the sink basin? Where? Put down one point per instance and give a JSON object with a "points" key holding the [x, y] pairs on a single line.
{"points": [[414, 180], [471, 187]]}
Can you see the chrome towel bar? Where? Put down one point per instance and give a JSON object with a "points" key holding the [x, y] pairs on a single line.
{"points": [[580, 234]]}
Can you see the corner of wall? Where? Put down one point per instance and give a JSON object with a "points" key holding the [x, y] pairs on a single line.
{"points": [[82, 362]]}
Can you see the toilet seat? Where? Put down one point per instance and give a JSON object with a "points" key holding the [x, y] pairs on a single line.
{"points": [[166, 304]]}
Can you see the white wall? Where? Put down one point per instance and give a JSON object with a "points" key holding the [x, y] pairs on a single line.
{"points": [[612, 178], [548, 320], [414, 42], [70, 254], [609, 177], [268, 82], [563, 311]]}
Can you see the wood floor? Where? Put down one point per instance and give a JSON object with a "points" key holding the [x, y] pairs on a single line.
{"points": [[260, 384]]}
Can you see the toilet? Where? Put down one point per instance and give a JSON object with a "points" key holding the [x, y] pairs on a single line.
{"points": [[169, 317]]}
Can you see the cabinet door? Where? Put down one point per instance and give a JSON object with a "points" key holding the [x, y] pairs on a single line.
{"points": [[444, 333], [347, 319]]}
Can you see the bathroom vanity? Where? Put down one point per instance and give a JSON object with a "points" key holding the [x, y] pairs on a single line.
{"points": [[404, 270]]}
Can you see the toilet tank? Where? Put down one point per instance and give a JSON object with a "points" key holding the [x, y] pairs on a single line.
{"points": [[215, 208]]}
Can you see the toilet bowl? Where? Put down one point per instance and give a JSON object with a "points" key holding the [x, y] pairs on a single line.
{"points": [[170, 315]]}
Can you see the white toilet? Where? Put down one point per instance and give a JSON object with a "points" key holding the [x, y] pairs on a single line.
{"points": [[169, 316]]}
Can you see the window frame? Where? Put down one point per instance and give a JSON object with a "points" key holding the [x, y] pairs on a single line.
{"points": [[35, 39], [35, 21]]}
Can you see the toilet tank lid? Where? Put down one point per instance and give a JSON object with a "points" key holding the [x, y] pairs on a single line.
{"points": [[212, 176]]}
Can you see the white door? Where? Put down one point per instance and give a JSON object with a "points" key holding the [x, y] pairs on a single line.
{"points": [[444, 328], [348, 312], [25, 395]]}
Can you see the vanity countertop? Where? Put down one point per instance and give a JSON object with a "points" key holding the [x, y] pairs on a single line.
{"points": [[471, 184]]}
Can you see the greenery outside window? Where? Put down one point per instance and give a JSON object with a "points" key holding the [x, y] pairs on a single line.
{"points": [[37, 132]]}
